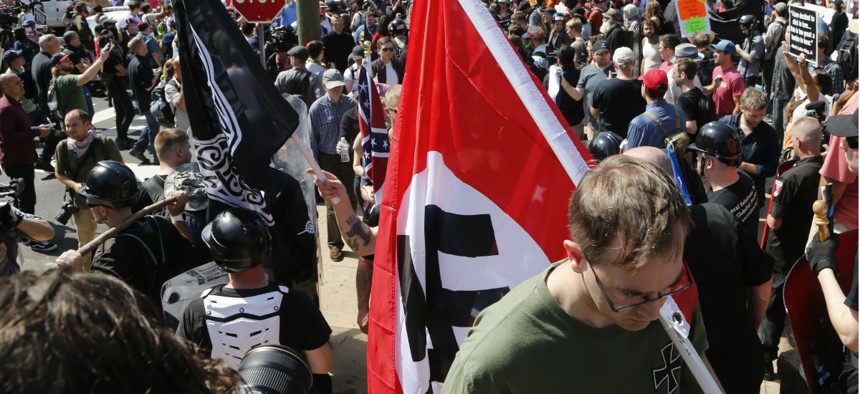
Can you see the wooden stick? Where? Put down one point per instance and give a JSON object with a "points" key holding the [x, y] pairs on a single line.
{"points": [[820, 208], [313, 163], [111, 232]]}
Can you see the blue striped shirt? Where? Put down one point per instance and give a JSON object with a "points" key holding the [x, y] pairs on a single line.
{"points": [[325, 116]]}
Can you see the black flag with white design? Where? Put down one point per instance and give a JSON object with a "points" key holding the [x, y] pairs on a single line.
{"points": [[238, 119]]}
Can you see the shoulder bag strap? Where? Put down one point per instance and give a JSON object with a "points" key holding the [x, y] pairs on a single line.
{"points": [[658, 122]]}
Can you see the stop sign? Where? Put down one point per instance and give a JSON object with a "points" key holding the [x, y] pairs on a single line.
{"points": [[258, 11]]}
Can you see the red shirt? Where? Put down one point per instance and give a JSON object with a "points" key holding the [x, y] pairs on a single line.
{"points": [[595, 18], [835, 167], [16, 134], [731, 87]]}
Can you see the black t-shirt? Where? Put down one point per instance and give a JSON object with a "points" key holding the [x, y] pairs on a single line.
{"points": [[114, 59], [619, 101], [726, 262], [793, 195], [42, 75], [571, 109], [338, 48], [301, 325], [150, 191], [740, 200], [293, 239], [145, 266], [349, 125], [689, 103], [140, 76], [617, 38]]}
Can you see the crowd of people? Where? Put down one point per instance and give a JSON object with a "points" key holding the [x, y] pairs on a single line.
{"points": [[625, 80]]}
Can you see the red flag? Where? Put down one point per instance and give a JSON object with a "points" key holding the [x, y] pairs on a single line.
{"points": [[374, 134], [476, 193]]}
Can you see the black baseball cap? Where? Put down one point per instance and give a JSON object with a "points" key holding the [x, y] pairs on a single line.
{"points": [[299, 52], [601, 46], [358, 52], [843, 125]]}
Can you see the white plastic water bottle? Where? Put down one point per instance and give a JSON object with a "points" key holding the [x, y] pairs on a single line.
{"points": [[344, 150]]}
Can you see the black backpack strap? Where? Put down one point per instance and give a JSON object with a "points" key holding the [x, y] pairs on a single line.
{"points": [[154, 188], [155, 262]]}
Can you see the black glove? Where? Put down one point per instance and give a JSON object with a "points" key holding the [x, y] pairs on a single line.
{"points": [[7, 222], [822, 255]]}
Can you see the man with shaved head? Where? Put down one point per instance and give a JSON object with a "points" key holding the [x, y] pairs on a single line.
{"points": [[789, 220]]}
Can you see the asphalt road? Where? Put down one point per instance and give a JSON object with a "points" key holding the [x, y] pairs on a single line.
{"points": [[49, 193]]}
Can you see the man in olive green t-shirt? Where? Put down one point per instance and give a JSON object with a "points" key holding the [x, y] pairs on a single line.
{"points": [[68, 86], [589, 324]]}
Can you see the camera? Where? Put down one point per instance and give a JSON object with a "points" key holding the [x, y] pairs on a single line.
{"points": [[275, 369], [816, 110], [66, 211], [281, 38], [105, 39]]}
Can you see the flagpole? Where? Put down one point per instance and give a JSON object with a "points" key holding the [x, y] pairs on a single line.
{"points": [[670, 319], [111, 232], [312, 162]]}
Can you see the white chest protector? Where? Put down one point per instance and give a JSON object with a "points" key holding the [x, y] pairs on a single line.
{"points": [[237, 325]]}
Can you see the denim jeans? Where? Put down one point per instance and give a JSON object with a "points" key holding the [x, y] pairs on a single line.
{"points": [[147, 136], [779, 117]]}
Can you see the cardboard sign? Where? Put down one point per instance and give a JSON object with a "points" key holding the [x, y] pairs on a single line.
{"points": [[693, 17], [803, 38]]}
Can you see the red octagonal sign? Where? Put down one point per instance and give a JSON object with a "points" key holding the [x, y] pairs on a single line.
{"points": [[258, 11]]}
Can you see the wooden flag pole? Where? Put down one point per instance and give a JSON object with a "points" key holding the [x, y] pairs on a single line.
{"points": [[111, 232], [819, 207], [313, 163]]}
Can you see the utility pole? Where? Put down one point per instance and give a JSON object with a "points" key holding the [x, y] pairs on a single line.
{"points": [[308, 15]]}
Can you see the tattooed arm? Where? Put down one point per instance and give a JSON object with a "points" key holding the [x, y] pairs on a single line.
{"points": [[360, 237]]}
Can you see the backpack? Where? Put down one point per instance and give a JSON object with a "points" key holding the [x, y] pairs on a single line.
{"points": [[165, 268], [55, 110], [770, 51], [161, 108], [846, 55]]}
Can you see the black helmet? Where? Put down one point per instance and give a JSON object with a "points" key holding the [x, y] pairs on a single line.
{"points": [[720, 140], [397, 27], [238, 239], [604, 145], [111, 181], [747, 20]]}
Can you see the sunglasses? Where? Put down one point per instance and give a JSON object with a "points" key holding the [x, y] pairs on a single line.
{"points": [[387, 49]]}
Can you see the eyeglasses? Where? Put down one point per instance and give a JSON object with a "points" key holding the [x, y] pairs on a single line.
{"points": [[683, 284], [387, 49]]}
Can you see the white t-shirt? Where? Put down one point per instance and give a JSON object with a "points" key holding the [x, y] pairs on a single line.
{"points": [[391, 75], [350, 75], [800, 111], [650, 54]]}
